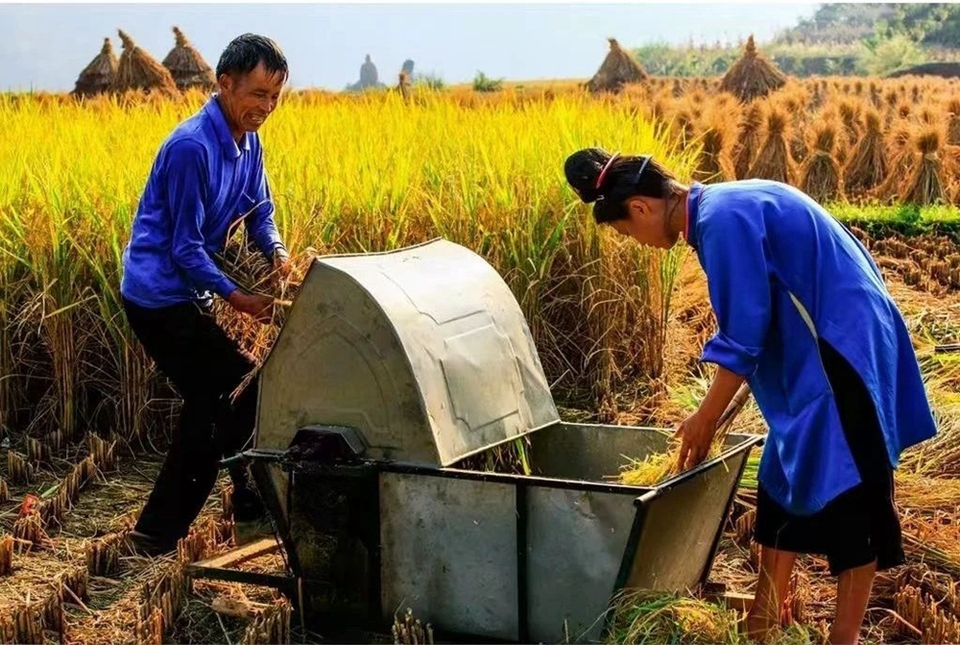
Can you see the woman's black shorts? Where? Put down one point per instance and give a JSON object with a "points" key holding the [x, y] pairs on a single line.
{"points": [[860, 525]]}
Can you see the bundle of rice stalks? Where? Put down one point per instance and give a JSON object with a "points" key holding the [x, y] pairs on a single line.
{"points": [[187, 66], [619, 68], [820, 174], [774, 162], [657, 467], [99, 75], [139, 71], [868, 164], [748, 139], [904, 110], [272, 625], [6, 555], [927, 184], [850, 116], [752, 76], [655, 617], [920, 493], [953, 122], [715, 163]]}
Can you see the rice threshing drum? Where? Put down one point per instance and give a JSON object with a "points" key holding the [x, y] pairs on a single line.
{"points": [[397, 379]]}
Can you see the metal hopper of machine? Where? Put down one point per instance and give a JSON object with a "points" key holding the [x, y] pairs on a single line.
{"points": [[395, 371]]}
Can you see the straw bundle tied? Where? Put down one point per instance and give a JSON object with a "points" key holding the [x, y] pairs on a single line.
{"points": [[99, 75], [139, 71], [715, 162], [868, 164], [619, 68], [187, 66], [820, 174], [774, 161], [752, 75], [749, 139], [926, 185], [953, 123]]}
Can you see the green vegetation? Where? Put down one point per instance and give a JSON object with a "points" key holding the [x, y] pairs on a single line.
{"points": [[839, 39]]}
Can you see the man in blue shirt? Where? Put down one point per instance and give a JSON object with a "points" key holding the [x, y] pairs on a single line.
{"points": [[804, 317], [208, 175]]}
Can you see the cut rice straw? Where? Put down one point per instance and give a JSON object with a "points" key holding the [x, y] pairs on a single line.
{"points": [[657, 467]]}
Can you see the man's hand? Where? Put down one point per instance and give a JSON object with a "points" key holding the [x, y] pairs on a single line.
{"points": [[281, 267], [696, 434], [260, 307]]}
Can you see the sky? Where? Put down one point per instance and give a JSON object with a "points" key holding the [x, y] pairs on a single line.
{"points": [[45, 46]]}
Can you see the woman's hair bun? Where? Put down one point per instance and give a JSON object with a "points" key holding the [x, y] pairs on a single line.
{"points": [[582, 168]]}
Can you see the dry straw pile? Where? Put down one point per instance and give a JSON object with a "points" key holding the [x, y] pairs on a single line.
{"points": [[619, 68], [100, 74], [187, 66], [139, 71]]}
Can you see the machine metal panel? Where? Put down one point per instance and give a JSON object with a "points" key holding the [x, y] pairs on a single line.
{"points": [[449, 552], [680, 524], [424, 350], [576, 540], [591, 452]]}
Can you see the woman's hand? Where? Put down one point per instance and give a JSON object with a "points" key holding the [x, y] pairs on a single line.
{"points": [[696, 434], [698, 430]]}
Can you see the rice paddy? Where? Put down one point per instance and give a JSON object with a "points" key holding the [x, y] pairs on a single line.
{"points": [[618, 329]]}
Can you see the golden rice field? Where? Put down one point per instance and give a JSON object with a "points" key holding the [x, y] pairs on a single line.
{"points": [[618, 328]]}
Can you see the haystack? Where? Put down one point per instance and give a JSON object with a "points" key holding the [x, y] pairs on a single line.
{"points": [[953, 122], [748, 139], [820, 173], [98, 76], [926, 185], [139, 71], [774, 162], [752, 76], [715, 163], [187, 66], [619, 68], [868, 164]]}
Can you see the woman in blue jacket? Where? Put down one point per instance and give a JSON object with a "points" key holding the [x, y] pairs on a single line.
{"points": [[804, 317]]}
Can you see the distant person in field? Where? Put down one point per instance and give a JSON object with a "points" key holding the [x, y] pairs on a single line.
{"points": [[208, 173], [805, 318]]}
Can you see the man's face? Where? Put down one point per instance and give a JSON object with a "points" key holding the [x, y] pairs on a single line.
{"points": [[249, 99]]}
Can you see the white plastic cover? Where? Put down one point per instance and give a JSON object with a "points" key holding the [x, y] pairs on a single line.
{"points": [[424, 350]]}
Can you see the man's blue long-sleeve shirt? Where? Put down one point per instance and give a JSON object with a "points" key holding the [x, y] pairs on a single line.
{"points": [[783, 273], [200, 184]]}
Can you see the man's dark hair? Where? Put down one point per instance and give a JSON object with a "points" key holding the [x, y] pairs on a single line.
{"points": [[245, 52]]}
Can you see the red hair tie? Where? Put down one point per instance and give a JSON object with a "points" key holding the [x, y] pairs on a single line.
{"points": [[603, 172]]}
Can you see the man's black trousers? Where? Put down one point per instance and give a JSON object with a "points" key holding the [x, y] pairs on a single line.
{"points": [[205, 366]]}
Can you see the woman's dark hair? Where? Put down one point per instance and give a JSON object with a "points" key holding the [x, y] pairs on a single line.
{"points": [[245, 52], [622, 177]]}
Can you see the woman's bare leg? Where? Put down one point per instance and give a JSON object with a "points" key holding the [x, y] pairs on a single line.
{"points": [[853, 594], [775, 569]]}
